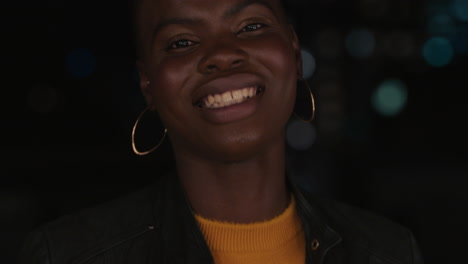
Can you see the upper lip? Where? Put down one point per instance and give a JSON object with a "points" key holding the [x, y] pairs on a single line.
{"points": [[226, 83]]}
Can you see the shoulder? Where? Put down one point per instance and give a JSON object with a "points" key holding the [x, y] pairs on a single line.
{"points": [[364, 230], [90, 231], [356, 220]]}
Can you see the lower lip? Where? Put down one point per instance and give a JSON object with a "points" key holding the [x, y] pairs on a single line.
{"points": [[232, 113]]}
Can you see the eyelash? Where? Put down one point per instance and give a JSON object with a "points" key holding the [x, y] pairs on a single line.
{"points": [[257, 25], [187, 43]]}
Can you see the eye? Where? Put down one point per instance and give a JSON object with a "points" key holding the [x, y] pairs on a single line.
{"points": [[182, 43], [252, 27]]}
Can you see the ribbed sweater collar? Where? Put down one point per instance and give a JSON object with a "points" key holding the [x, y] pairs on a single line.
{"points": [[258, 236]]}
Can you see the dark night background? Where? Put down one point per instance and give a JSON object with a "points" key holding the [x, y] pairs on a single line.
{"points": [[70, 98]]}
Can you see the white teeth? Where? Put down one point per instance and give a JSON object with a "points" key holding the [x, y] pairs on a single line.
{"points": [[229, 97], [211, 99], [237, 95], [245, 92]]}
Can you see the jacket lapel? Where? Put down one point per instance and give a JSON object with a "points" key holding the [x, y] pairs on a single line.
{"points": [[320, 237], [182, 239]]}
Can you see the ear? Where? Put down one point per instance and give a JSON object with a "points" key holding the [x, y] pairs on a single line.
{"points": [[297, 51], [144, 82]]}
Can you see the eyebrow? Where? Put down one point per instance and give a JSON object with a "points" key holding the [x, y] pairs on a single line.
{"points": [[191, 21], [241, 6], [175, 21]]}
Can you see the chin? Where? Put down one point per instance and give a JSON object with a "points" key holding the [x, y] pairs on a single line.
{"points": [[243, 147]]}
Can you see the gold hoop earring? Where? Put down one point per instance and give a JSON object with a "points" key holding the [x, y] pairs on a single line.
{"points": [[312, 102], [142, 153]]}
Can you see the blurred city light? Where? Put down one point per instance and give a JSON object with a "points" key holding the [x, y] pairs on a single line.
{"points": [[300, 135], [81, 63], [360, 43], [438, 51], [390, 97], [308, 64], [441, 24], [460, 9]]}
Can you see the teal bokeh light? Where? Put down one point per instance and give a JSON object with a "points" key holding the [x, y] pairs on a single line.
{"points": [[460, 9], [438, 51], [390, 97], [441, 24]]}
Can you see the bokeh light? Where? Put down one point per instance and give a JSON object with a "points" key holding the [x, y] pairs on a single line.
{"points": [[460, 9], [441, 24], [300, 135], [390, 97], [81, 63], [308, 64], [438, 51], [360, 43]]}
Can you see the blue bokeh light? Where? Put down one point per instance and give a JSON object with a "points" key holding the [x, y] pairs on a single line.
{"points": [[360, 43], [438, 51], [81, 63]]}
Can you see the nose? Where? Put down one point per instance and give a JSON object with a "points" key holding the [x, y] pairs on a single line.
{"points": [[222, 55]]}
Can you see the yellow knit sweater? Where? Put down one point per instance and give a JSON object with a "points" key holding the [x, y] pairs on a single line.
{"points": [[279, 240]]}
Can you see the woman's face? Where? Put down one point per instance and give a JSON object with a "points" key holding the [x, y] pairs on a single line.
{"points": [[222, 73]]}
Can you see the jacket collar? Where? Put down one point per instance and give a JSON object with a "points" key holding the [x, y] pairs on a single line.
{"points": [[183, 240], [320, 237]]}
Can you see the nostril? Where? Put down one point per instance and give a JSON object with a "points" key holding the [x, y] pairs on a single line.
{"points": [[236, 62], [211, 67]]}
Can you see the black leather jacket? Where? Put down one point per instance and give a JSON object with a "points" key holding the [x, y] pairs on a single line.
{"points": [[156, 225]]}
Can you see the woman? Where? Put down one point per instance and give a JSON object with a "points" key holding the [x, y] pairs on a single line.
{"points": [[222, 75]]}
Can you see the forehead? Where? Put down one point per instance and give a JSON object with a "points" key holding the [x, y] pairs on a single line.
{"points": [[160, 9]]}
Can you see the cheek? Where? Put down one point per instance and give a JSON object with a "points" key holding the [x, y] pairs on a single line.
{"points": [[170, 99], [168, 79], [279, 57]]}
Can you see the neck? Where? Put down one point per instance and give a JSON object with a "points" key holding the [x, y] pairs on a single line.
{"points": [[246, 191]]}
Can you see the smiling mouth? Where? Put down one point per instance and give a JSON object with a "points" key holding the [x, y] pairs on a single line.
{"points": [[229, 97]]}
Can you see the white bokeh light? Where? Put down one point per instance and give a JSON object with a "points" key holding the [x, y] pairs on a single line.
{"points": [[308, 64], [300, 135]]}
